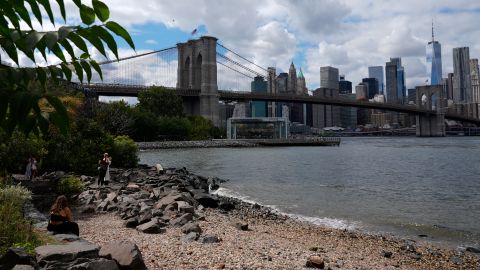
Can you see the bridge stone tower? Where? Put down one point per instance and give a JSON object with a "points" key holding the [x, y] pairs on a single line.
{"points": [[197, 69], [431, 97]]}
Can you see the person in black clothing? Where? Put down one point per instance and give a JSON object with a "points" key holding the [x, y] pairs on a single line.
{"points": [[61, 219], [102, 169]]}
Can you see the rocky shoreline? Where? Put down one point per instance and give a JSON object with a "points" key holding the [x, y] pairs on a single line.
{"points": [[195, 144], [169, 219]]}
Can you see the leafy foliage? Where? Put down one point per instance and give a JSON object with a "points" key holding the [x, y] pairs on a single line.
{"points": [[174, 128], [145, 127], [69, 185], [18, 101], [161, 102], [125, 152], [115, 117], [15, 151]]}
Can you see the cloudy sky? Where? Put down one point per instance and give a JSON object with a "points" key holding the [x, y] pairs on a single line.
{"points": [[348, 34]]}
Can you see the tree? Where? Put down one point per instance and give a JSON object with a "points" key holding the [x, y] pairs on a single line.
{"points": [[19, 94], [160, 101], [115, 117]]}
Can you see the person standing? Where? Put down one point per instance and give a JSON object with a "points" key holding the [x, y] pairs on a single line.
{"points": [[102, 169], [28, 170], [34, 168]]}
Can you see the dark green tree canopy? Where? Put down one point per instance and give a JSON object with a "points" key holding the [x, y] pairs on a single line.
{"points": [[19, 94], [160, 101]]}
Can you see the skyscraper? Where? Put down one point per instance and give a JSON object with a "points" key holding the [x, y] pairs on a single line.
{"points": [[292, 79], [345, 87], [258, 108], [372, 87], [272, 89], [301, 84], [395, 77], [329, 77], [462, 84], [377, 73], [434, 61], [475, 76]]}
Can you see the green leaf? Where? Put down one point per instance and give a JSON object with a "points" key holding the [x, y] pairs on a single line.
{"points": [[10, 49], [55, 73], [64, 31], [78, 70], [93, 39], [102, 11], [42, 76], [66, 45], [33, 38], [88, 70], [67, 71], [23, 13], [35, 10], [12, 16], [51, 38], [97, 68], [121, 32], [77, 2], [61, 5], [42, 48], [60, 117], [105, 36], [48, 9], [58, 52], [87, 14], [78, 41]]}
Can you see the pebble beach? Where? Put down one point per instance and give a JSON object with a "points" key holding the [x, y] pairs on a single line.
{"points": [[279, 243]]}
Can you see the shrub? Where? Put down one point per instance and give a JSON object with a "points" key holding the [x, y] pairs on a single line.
{"points": [[13, 227], [70, 185], [125, 152], [174, 128], [15, 151]]}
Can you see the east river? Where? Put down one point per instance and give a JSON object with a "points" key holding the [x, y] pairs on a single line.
{"points": [[404, 186]]}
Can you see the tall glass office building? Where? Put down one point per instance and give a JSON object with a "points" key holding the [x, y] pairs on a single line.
{"points": [[377, 73], [434, 62]]}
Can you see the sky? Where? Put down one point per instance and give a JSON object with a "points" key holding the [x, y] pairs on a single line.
{"points": [[348, 34]]}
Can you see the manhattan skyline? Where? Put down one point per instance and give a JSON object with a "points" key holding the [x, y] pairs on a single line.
{"points": [[348, 35]]}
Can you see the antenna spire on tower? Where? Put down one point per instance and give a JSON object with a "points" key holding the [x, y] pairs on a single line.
{"points": [[433, 36]]}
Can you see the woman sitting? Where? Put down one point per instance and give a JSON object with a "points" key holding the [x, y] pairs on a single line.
{"points": [[61, 220]]}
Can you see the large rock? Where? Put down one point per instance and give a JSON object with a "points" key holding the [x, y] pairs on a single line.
{"points": [[22, 267], [206, 200], [190, 237], [151, 227], [133, 187], [66, 237], [131, 222], [191, 227], [182, 220], [15, 256], [209, 239], [241, 226], [185, 207], [315, 261], [66, 253], [125, 253], [169, 199], [96, 264]]}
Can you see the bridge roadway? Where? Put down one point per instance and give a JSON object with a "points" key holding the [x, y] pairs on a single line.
{"points": [[129, 90]]}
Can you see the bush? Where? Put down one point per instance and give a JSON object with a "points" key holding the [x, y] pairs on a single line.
{"points": [[174, 128], [14, 229], [15, 151], [125, 152], [69, 186]]}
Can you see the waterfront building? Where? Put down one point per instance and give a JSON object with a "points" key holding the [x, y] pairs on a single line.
{"points": [[272, 89], [372, 87], [412, 96], [377, 73], [447, 84], [325, 115], [395, 77], [292, 80], [434, 61], [259, 108], [282, 88], [301, 84], [344, 86], [361, 93], [462, 84], [475, 77], [348, 115], [258, 128], [329, 77]]}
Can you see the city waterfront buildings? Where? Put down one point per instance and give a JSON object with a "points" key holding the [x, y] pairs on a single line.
{"points": [[377, 73], [372, 87], [345, 87], [434, 61], [475, 77], [259, 108], [462, 84]]}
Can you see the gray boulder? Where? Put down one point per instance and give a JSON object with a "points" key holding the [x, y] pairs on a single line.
{"points": [[182, 220], [206, 200], [190, 237], [191, 227], [169, 199], [22, 267], [131, 222], [151, 227], [209, 239], [96, 264], [15, 256], [66, 253], [66, 237], [125, 253]]}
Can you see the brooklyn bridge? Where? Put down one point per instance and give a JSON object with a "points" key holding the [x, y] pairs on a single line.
{"points": [[204, 72]]}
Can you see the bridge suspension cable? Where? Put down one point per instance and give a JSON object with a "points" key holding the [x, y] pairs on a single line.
{"points": [[242, 57], [135, 56], [240, 65], [246, 75]]}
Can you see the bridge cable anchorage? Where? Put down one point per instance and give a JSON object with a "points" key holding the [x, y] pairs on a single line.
{"points": [[135, 56], [240, 65], [246, 75], [241, 56]]}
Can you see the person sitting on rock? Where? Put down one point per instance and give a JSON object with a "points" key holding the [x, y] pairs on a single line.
{"points": [[61, 219]]}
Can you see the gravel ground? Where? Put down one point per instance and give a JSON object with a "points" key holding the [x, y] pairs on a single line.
{"points": [[272, 244]]}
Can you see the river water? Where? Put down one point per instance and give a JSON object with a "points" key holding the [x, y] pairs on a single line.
{"points": [[403, 186]]}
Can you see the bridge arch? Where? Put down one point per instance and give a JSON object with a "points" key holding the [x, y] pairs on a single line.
{"points": [[431, 97]]}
